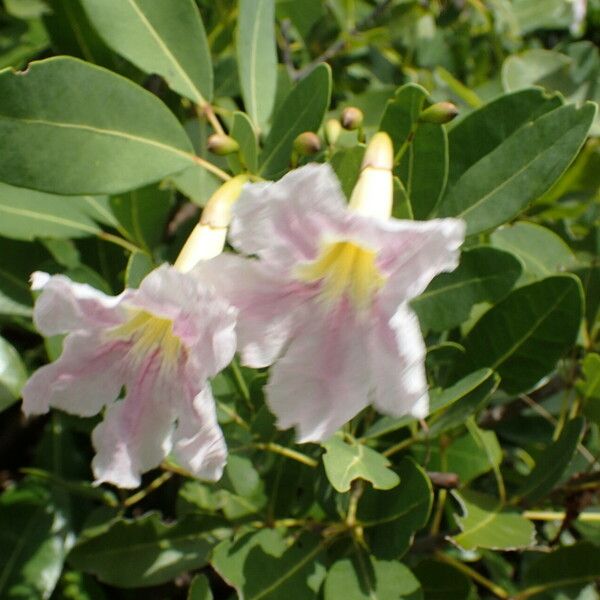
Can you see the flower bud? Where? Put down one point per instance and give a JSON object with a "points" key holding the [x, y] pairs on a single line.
{"points": [[373, 193], [307, 143], [207, 239], [332, 130], [351, 118], [221, 144], [440, 113]]}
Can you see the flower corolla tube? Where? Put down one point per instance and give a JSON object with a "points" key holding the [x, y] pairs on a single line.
{"points": [[323, 289], [160, 343]]}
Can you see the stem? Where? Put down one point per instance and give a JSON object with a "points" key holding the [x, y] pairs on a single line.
{"points": [[287, 452], [115, 239], [154, 485], [210, 167], [208, 113], [241, 383], [401, 446], [474, 575], [540, 515], [234, 415]]}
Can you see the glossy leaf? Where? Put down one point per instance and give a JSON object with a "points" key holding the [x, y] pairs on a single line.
{"points": [[200, 589], [519, 170], [345, 462], [145, 552], [96, 133], [302, 110], [486, 524], [257, 57], [483, 275], [524, 335], [366, 578], [391, 518], [34, 539], [263, 565], [163, 38], [12, 374], [550, 467]]}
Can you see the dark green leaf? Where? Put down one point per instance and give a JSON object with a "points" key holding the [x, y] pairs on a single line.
{"points": [[391, 518], [302, 110], [243, 132], [440, 581], [263, 565], [524, 335], [145, 551], [200, 589], [553, 462], [519, 170], [483, 275], [346, 164]]}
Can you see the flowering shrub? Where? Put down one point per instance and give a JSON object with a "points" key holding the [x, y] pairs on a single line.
{"points": [[299, 299]]}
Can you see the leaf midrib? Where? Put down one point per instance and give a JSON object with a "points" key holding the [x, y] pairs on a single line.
{"points": [[45, 217]]}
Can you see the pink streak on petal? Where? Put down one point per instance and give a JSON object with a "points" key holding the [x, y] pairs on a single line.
{"points": [[136, 433], [199, 444], [323, 379], [65, 306], [82, 381]]}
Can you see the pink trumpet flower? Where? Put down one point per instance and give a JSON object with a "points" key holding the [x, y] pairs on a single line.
{"points": [[161, 343], [323, 291]]}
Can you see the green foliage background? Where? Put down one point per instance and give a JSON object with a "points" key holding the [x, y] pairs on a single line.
{"points": [[103, 168]]}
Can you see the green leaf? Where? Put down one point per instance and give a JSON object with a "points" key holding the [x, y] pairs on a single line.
{"points": [[565, 569], [518, 171], [346, 462], [542, 252], [263, 565], [589, 387], [483, 275], [486, 524], [366, 578], [402, 113], [163, 38], [534, 68], [346, 165], [12, 374], [424, 168], [550, 467], [483, 130], [391, 518], [452, 406], [28, 214], [34, 542], [302, 110], [469, 456], [144, 214], [523, 336], [257, 58], [200, 589], [441, 581], [138, 266], [146, 552], [243, 132], [95, 133]]}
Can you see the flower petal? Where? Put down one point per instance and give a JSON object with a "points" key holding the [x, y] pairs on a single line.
{"points": [[282, 221], [199, 444], [397, 356], [136, 433], [414, 252], [65, 306], [82, 381], [267, 304], [323, 379]]}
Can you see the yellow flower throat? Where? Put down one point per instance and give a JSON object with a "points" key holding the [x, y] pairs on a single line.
{"points": [[344, 268], [148, 332]]}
